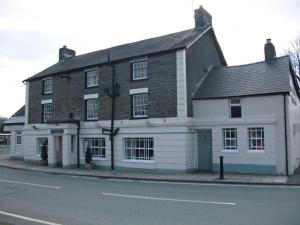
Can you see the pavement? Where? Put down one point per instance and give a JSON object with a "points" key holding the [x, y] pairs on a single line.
{"points": [[229, 178]]}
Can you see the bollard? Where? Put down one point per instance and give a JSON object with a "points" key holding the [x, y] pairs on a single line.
{"points": [[221, 167]]}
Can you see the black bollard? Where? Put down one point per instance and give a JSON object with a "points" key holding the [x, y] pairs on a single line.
{"points": [[221, 167]]}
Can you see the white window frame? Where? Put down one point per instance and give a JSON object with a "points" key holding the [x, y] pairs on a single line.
{"points": [[97, 146], [48, 86], [235, 105], [92, 78], [256, 142], [140, 106], [47, 111], [139, 69], [18, 137], [230, 135], [92, 108], [40, 141], [134, 150]]}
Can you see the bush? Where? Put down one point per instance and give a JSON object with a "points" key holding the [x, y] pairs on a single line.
{"points": [[88, 155], [44, 153]]}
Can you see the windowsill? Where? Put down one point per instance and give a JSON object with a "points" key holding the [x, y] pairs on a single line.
{"points": [[95, 159], [91, 87], [229, 151], [256, 151], [92, 120], [133, 80], [140, 118], [48, 93], [138, 161]]}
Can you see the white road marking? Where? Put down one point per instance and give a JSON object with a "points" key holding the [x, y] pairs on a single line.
{"points": [[168, 199], [90, 178], [124, 180], [32, 184], [221, 184], [74, 176], [28, 218]]}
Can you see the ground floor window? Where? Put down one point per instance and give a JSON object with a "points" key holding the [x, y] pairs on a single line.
{"points": [[139, 148], [41, 142], [97, 146], [256, 138], [19, 137], [230, 138]]}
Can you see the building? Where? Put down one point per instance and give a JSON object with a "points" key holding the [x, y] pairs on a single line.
{"points": [[166, 104]]}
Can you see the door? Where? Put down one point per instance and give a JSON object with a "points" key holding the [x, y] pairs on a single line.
{"points": [[58, 150], [204, 138]]}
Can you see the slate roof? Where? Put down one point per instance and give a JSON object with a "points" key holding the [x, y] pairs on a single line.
{"points": [[17, 118], [136, 49], [245, 80]]}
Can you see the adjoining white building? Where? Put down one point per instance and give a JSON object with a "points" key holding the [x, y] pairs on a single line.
{"points": [[176, 107]]}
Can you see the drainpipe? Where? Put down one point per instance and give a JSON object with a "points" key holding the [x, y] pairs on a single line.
{"points": [[285, 136], [78, 150]]}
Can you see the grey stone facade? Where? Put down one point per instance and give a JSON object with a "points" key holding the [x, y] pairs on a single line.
{"points": [[68, 94]]}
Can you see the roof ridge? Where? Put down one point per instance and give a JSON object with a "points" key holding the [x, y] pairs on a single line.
{"points": [[248, 64]]}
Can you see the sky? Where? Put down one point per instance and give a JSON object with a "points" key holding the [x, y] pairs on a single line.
{"points": [[32, 31]]}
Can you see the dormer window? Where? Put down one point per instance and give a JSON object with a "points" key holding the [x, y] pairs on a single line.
{"points": [[139, 70], [92, 78], [48, 86], [235, 108]]}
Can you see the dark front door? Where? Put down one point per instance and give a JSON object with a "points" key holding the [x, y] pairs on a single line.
{"points": [[204, 138]]}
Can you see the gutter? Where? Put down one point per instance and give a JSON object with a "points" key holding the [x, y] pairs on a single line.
{"points": [[285, 137]]}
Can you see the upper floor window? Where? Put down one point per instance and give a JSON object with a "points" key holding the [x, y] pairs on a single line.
{"points": [[19, 137], [140, 105], [256, 138], [230, 138], [47, 112], [139, 70], [92, 107], [48, 86], [235, 108], [92, 78]]}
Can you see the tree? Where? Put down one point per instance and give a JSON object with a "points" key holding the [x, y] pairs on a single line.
{"points": [[294, 53]]}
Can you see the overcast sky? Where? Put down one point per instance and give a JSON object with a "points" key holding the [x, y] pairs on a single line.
{"points": [[32, 31]]}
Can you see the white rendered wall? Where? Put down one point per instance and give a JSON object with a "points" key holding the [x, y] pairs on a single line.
{"points": [[259, 111]]}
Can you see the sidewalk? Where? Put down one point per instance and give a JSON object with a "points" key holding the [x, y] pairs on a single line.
{"points": [[185, 177]]}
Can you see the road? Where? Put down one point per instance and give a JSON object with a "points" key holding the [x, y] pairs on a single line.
{"points": [[38, 198]]}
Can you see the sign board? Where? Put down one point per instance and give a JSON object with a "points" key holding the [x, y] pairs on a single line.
{"points": [[57, 131]]}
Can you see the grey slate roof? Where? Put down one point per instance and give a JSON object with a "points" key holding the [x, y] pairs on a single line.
{"points": [[141, 48], [17, 118], [244, 80]]}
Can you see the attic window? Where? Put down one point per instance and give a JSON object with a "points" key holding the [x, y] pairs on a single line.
{"points": [[139, 70], [235, 108]]}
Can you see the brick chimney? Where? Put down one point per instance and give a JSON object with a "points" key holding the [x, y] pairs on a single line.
{"points": [[202, 18], [270, 52], [65, 53]]}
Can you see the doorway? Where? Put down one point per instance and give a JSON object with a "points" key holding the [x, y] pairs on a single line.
{"points": [[58, 150], [204, 145]]}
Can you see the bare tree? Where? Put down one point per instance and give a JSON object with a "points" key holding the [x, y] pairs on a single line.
{"points": [[294, 53]]}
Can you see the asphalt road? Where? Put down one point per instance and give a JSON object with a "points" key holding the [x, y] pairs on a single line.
{"points": [[38, 198]]}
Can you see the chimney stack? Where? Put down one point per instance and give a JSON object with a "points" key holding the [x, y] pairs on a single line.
{"points": [[65, 53], [270, 52], [202, 18]]}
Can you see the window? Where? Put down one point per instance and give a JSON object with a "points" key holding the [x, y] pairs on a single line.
{"points": [[41, 142], [19, 137], [97, 146], [92, 108], [92, 78], [256, 138], [139, 70], [230, 138], [235, 108], [47, 86], [47, 112], [140, 105], [139, 149]]}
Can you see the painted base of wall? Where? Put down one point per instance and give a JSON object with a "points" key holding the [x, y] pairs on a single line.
{"points": [[247, 168], [17, 157]]}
